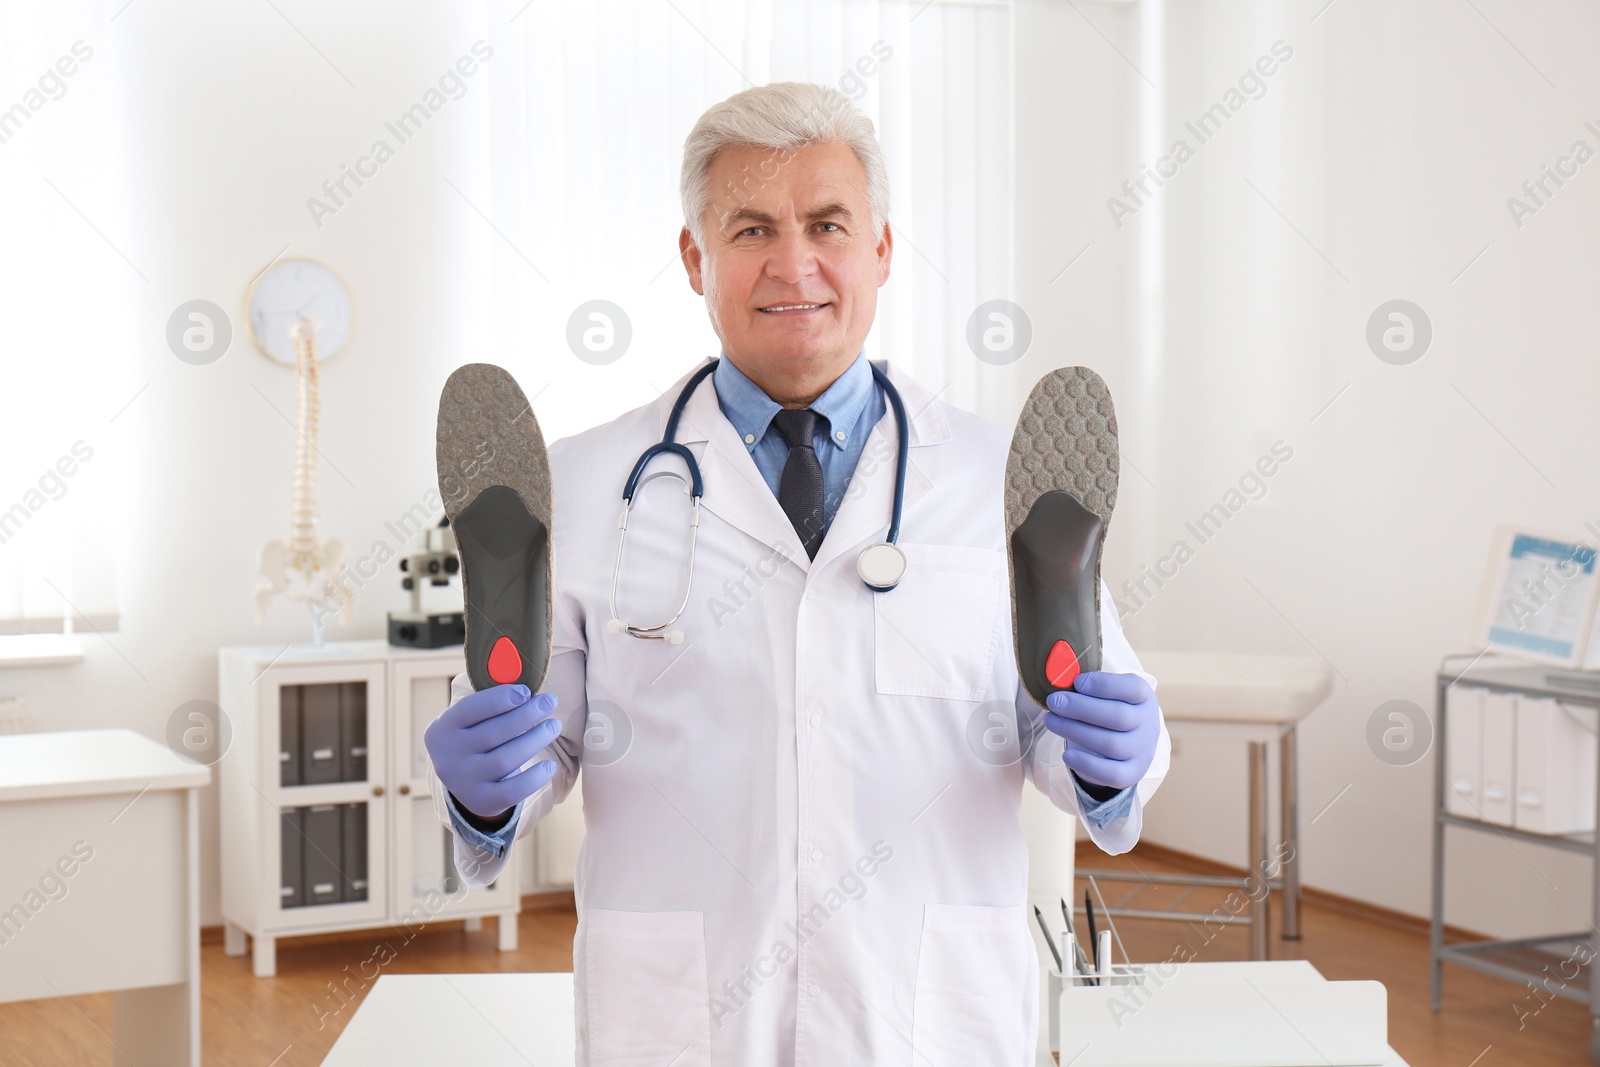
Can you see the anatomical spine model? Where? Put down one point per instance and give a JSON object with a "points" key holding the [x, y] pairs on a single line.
{"points": [[302, 570]]}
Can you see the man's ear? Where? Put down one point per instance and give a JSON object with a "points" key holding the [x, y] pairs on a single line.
{"points": [[690, 253], [885, 254]]}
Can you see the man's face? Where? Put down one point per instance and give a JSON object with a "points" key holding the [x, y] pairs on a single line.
{"points": [[788, 228]]}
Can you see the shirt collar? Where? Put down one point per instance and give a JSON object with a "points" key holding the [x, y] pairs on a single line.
{"points": [[751, 410]]}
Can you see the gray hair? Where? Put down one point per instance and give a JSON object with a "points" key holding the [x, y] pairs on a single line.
{"points": [[781, 116]]}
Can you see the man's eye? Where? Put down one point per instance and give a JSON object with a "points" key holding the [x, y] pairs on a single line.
{"points": [[835, 225], [748, 229]]}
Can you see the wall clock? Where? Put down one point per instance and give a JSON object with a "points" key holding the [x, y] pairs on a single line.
{"points": [[292, 288]]}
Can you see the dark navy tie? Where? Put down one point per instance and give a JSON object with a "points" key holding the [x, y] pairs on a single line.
{"points": [[800, 485]]}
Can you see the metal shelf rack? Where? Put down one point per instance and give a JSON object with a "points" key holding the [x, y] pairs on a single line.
{"points": [[1520, 960]]}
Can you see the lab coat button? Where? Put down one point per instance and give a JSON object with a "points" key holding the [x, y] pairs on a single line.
{"points": [[816, 720], [815, 991], [816, 855], [811, 594]]}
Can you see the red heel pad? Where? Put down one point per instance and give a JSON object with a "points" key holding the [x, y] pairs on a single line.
{"points": [[1060, 666], [505, 662]]}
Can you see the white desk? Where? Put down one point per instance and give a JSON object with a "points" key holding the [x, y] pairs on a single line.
{"points": [[525, 1020], [100, 883], [487, 1020]]}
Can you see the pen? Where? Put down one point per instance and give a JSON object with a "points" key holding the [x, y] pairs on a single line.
{"points": [[1094, 942], [1079, 959], [1039, 915]]}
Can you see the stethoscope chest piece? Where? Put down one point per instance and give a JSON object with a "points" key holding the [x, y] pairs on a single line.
{"points": [[881, 566]]}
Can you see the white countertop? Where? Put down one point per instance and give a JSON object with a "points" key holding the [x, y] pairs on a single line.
{"points": [[336, 652], [89, 762]]}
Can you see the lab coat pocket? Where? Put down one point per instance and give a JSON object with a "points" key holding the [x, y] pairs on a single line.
{"points": [[647, 1000], [937, 633], [973, 1000]]}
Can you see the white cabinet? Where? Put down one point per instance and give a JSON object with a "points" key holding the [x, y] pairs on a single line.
{"points": [[327, 818]]}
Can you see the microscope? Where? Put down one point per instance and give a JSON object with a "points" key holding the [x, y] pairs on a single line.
{"points": [[434, 562]]}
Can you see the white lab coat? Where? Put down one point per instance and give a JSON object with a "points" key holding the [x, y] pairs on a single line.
{"points": [[801, 845]]}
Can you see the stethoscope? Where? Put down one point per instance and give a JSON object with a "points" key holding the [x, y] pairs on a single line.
{"points": [[881, 565]]}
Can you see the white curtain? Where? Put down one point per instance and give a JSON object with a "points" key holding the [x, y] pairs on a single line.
{"points": [[585, 144], [62, 285]]}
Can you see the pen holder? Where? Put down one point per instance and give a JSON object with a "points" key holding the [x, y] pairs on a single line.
{"points": [[1262, 1014], [1059, 984]]}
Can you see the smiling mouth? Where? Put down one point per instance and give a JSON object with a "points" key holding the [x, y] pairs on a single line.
{"points": [[778, 308]]}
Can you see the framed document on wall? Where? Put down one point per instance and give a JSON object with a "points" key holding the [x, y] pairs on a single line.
{"points": [[1538, 597]]}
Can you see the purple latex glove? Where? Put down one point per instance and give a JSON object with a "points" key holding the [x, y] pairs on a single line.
{"points": [[1111, 723], [478, 743]]}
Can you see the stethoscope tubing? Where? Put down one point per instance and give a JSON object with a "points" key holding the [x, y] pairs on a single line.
{"points": [[697, 490], [902, 451]]}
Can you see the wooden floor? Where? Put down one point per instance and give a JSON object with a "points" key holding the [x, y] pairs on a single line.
{"points": [[292, 1020]]}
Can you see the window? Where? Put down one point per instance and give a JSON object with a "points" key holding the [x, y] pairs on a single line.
{"points": [[579, 197], [62, 286]]}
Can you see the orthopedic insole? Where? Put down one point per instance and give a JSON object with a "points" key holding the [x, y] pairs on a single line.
{"points": [[1061, 484], [494, 475]]}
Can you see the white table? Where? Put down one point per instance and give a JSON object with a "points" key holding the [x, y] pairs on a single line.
{"points": [[487, 1020], [1259, 700], [100, 883], [525, 1020]]}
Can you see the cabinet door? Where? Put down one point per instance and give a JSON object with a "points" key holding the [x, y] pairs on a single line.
{"points": [[322, 791], [426, 884]]}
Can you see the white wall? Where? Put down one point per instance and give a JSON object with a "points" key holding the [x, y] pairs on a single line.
{"points": [[1391, 141]]}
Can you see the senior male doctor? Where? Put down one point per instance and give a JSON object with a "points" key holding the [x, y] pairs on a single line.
{"points": [[800, 848]]}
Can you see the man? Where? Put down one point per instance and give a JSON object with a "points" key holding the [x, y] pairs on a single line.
{"points": [[799, 848]]}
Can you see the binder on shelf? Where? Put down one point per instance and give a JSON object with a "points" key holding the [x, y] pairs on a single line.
{"points": [[289, 735], [354, 840], [319, 734], [353, 731], [1464, 752], [291, 871], [1555, 760], [323, 855], [1499, 756]]}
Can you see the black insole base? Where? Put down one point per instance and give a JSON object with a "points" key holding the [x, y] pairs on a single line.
{"points": [[505, 568], [1055, 559]]}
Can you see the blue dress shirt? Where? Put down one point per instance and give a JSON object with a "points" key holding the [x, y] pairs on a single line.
{"points": [[850, 408]]}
